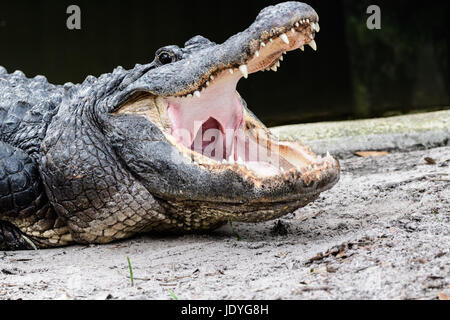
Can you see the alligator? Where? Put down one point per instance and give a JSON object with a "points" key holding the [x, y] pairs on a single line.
{"points": [[165, 147]]}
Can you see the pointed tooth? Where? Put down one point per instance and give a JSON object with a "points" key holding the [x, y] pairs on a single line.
{"points": [[285, 38], [271, 40], [207, 83], [189, 95], [278, 64], [328, 155], [263, 44], [281, 58], [240, 161], [257, 53], [197, 93], [317, 27], [231, 160], [211, 77], [292, 30], [231, 70], [313, 45], [302, 48], [297, 25], [282, 169], [307, 20], [274, 68], [244, 70]]}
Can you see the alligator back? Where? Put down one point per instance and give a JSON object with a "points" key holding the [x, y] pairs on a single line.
{"points": [[26, 108]]}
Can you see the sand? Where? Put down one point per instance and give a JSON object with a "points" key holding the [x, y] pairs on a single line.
{"points": [[383, 232]]}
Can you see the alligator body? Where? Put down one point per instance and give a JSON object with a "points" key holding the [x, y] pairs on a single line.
{"points": [[169, 146]]}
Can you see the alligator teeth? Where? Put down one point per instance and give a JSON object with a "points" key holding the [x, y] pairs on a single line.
{"points": [[231, 160], [271, 40], [207, 83], [257, 53], [278, 64], [297, 25], [328, 155], [313, 45], [231, 70], [211, 77], [307, 20], [302, 48], [292, 30], [239, 161], [282, 169], [244, 70], [189, 95], [263, 44], [315, 27], [281, 58], [197, 94], [284, 38], [274, 68]]}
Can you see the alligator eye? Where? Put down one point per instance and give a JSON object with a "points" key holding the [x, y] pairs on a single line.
{"points": [[165, 57]]}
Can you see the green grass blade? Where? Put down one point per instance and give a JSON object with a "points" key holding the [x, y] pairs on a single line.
{"points": [[234, 231], [173, 294], [31, 243], [131, 271]]}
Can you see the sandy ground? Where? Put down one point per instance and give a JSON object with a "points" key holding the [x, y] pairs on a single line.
{"points": [[382, 233]]}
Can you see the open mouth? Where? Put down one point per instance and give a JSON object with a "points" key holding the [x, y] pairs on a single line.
{"points": [[210, 124]]}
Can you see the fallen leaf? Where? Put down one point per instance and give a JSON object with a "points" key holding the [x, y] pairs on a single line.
{"points": [[442, 296], [331, 269], [429, 160], [422, 261], [281, 254], [371, 153], [340, 254]]}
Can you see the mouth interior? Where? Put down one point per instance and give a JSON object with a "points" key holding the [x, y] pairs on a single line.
{"points": [[211, 122], [214, 123]]}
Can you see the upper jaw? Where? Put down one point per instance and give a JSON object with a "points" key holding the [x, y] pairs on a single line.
{"points": [[292, 21]]}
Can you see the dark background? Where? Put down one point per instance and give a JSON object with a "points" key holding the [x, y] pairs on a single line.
{"points": [[356, 72]]}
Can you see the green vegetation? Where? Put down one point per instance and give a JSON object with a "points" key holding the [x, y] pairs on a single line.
{"points": [[173, 295], [234, 231], [131, 271], [30, 242]]}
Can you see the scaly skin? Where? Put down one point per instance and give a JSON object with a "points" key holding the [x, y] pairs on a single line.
{"points": [[97, 162]]}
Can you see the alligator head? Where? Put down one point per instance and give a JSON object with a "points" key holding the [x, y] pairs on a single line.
{"points": [[172, 146]]}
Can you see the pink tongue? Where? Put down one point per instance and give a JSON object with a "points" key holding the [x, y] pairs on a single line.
{"points": [[217, 112]]}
